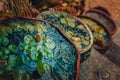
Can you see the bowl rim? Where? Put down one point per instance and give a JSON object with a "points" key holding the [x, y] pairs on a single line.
{"points": [[88, 30], [107, 31], [105, 12], [77, 63], [79, 21], [112, 31]]}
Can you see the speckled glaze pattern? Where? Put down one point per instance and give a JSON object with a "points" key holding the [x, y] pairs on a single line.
{"points": [[101, 35], [29, 46], [73, 29], [77, 32], [102, 18]]}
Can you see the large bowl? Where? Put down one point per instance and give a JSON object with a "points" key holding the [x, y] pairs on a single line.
{"points": [[35, 49]]}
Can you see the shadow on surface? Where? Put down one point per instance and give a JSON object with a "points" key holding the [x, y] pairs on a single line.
{"points": [[114, 54]]}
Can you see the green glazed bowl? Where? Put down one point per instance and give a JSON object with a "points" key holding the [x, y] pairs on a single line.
{"points": [[101, 36], [35, 49], [77, 31]]}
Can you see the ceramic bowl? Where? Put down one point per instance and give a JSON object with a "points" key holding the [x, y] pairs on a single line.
{"points": [[70, 28], [35, 49], [74, 29], [102, 18], [101, 36]]}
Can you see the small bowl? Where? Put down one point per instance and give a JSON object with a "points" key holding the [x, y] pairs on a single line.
{"points": [[102, 18], [100, 34]]}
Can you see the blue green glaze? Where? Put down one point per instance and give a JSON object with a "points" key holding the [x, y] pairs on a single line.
{"points": [[52, 55], [73, 29]]}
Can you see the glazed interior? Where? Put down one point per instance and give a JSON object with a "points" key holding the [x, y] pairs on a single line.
{"points": [[103, 19], [101, 36], [35, 50], [76, 31]]}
